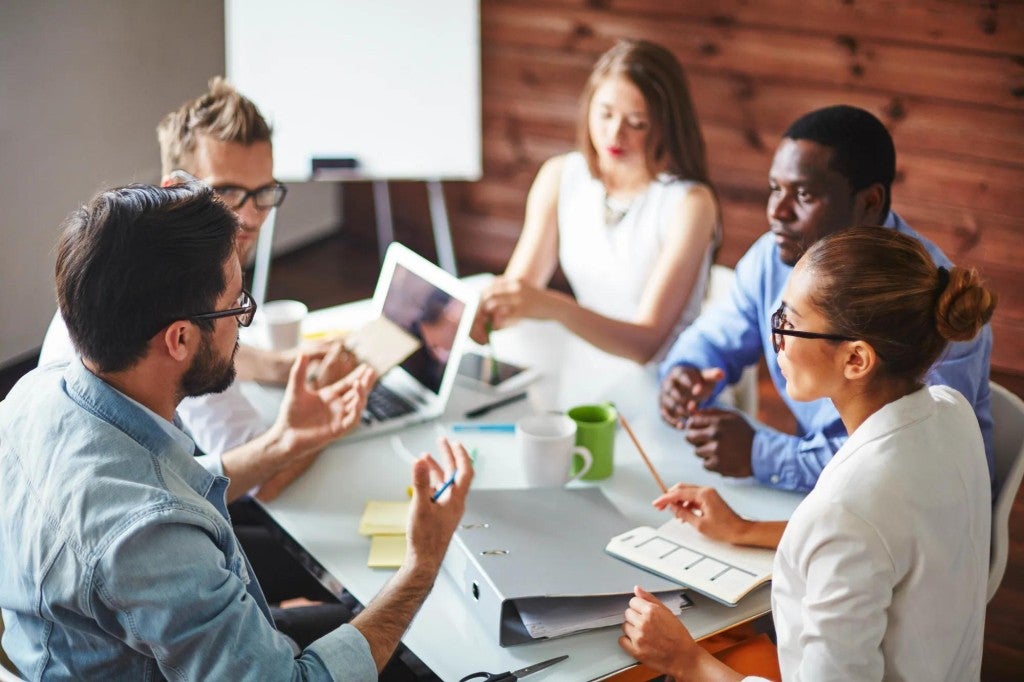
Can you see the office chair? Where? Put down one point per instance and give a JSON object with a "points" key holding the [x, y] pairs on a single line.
{"points": [[8, 676], [6, 667], [743, 394], [1008, 443]]}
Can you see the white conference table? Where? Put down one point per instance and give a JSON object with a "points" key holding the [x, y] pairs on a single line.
{"points": [[321, 510]]}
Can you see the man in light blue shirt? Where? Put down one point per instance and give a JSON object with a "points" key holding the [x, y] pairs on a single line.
{"points": [[119, 561], [833, 170]]}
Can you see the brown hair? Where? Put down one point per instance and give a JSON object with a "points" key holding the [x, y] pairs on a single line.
{"points": [[222, 113], [675, 143], [881, 286], [136, 258]]}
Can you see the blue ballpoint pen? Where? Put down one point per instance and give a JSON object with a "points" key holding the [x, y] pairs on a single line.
{"points": [[447, 484], [499, 428]]}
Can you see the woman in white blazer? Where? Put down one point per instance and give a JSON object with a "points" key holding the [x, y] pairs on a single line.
{"points": [[881, 572]]}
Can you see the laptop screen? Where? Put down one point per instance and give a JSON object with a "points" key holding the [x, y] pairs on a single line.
{"points": [[431, 315]]}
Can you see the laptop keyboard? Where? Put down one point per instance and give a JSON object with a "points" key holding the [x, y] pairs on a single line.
{"points": [[383, 403]]}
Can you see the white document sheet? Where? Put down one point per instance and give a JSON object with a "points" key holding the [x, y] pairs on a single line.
{"points": [[382, 344], [553, 617]]}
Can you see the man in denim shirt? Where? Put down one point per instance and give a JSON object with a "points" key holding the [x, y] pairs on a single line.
{"points": [[833, 170], [222, 138], [118, 556]]}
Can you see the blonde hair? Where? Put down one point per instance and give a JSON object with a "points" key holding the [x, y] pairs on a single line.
{"points": [[222, 114], [675, 143], [881, 286]]}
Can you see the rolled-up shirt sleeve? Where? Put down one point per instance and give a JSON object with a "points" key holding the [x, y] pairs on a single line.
{"points": [[169, 587]]}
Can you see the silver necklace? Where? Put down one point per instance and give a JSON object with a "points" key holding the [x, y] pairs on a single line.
{"points": [[615, 211]]}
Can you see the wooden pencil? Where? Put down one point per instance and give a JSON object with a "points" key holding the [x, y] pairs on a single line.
{"points": [[639, 448]]}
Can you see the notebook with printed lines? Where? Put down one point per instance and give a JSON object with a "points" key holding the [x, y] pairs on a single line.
{"points": [[677, 551]]}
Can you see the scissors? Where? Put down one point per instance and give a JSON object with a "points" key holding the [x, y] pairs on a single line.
{"points": [[512, 675]]}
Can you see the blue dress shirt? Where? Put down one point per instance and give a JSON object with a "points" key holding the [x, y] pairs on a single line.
{"points": [[735, 333], [119, 561]]}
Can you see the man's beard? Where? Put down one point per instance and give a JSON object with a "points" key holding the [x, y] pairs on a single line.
{"points": [[208, 373]]}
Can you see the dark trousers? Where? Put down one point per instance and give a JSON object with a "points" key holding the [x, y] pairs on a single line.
{"points": [[283, 577], [280, 574]]}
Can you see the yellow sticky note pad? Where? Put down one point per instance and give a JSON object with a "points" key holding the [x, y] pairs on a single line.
{"points": [[324, 334], [384, 518], [386, 551]]}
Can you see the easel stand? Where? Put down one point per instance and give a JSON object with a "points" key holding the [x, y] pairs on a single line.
{"points": [[385, 234], [438, 219], [261, 266]]}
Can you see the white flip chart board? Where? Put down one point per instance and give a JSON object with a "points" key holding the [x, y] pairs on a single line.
{"points": [[393, 84]]}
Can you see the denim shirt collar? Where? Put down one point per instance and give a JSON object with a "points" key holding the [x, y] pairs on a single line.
{"points": [[144, 427]]}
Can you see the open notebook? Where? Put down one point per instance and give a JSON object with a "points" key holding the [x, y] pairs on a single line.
{"points": [[677, 551]]}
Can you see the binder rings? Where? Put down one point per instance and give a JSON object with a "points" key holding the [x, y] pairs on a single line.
{"points": [[538, 542]]}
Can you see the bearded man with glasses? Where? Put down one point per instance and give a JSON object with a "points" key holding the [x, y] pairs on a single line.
{"points": [[119, 561], [221, 141]]}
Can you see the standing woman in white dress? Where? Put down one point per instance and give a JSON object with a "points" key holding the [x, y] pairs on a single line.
{"points": [[882, 571], [631, 216]]}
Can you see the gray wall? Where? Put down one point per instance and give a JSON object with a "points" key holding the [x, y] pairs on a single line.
{"points": [[82, 87]]}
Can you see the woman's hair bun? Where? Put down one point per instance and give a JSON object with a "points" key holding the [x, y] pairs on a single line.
{"points": [[964, 306]]}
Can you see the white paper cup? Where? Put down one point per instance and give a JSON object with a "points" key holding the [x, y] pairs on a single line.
{"points": [[547, 446], [283, 321]]}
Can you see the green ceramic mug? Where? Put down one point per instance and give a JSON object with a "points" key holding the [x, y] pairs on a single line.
{"points": [[595, 430]]}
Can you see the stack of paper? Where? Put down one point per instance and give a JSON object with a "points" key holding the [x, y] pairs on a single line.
{"points": [[385, 523], [544, 617]]}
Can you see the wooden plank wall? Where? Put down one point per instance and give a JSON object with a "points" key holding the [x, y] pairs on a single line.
{"points": [[946, 76]]}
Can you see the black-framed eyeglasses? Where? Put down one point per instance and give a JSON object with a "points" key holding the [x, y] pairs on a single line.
{"points": [[779, 331], [268, 196], [244, 310]]}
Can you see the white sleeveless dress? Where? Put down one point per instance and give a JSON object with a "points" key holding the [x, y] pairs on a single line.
{"points": [[608, 265]]}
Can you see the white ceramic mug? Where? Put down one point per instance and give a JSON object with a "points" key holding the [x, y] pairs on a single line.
{"points": [[283, 321], [547, 445]]}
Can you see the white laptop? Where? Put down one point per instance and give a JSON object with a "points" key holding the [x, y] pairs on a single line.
{"points": [[438, 310]]}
